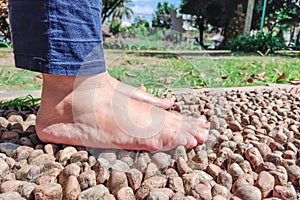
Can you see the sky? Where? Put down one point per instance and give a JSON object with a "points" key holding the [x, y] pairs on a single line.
{"points": [[146, 8]]}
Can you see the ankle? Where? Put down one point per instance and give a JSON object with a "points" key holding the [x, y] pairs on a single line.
{"points": [[57, 84]]}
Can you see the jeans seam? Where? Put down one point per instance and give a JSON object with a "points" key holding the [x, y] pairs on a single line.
{"points": [[49, 32]]}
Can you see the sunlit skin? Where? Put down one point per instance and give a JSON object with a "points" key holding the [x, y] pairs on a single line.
{"points": [[99, 111]]}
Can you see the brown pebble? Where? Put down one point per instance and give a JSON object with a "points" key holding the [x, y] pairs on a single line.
{"points": [[92, 161], [225, 179], [161, 160], [201, 159], [71, 188], [176, 184], [245, 179], [280, 175], [10, 136], [22, 172], [87, 179], [189, 181], [284, 192], [117, 181], [160, 193], [152, 170], [235, 126], [235, 171], [182, 166], [26, 142], [48, 191], [219, 197], [8, 177], [276, 159], [254, 157], [248, 192], [275, 146], [15, 118], [11, 196], [10, 186], [34, 154], [201, 191], [109, 155], [80, 156], [141, 162], [220, 190], [293, 172], [66, 154], [4, 167], [135, 178], [289, 154], [46, 179], [178, 196], [42, 159], [246, 166], [3, 122], [23, 152], [171, 172], [213, 170], [125, 193], [235, 198], [264, 149], [149, 184], [266, 166], [265, 182], [50, 149], [96, 192], [26, 190], [70, 170], [103, 175]]}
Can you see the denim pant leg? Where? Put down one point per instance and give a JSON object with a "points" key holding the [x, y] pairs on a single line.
{"points": [[61, 37]]}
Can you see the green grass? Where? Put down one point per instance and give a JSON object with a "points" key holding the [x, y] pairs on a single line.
{"points": [[12, 78], [160, 73], [20, 102], [205, 71]]}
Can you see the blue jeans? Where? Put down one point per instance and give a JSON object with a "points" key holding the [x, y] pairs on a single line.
{"points": [[61, 37]]}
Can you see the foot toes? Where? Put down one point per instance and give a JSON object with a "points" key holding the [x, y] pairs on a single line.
{"points": [[202, 130]]}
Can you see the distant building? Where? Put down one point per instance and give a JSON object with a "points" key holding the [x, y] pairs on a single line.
{"points": [[106, 31], [176, 22]]}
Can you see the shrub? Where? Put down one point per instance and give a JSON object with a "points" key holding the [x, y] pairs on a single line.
{"points": [[261, 42]]}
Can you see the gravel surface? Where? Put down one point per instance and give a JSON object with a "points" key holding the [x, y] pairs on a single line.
{"points": [[252, 153]]}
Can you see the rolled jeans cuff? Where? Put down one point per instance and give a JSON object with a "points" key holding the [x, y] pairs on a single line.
{"points": [[58, 37]]}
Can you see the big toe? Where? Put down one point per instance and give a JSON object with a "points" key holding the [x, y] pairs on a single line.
{"points": [[167, 103], [202, 130]]}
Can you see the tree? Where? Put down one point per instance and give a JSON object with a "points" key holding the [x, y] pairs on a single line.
{"points": [[220, 13], [140, 22], [123, 11], [116, 11], [236, 24], [217, 13], [110, 6], [249, 16], [280, 15], [193, 8], [162, 16], [4, 24], [282, 12]]}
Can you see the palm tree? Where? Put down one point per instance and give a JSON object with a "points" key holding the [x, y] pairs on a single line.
{"points": [[123, 10], [117, 8]]}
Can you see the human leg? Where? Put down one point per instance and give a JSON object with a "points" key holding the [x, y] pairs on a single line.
{"points": [[81, 104]]}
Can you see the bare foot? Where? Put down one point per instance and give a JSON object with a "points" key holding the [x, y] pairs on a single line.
{"points": [[92, 111], [143, 96]]}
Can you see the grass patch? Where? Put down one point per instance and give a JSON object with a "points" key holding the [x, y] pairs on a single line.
{"points": [[162, 72], [198, 71], [20, 103], [12, 78]]}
